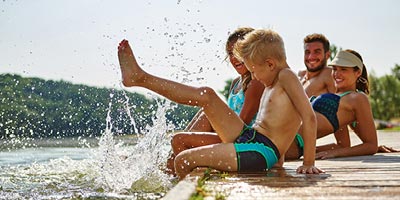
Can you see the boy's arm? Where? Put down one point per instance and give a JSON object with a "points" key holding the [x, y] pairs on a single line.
{"points": [[300, 100]]}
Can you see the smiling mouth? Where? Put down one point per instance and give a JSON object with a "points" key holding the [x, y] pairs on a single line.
{"points": [[338, 80], [239, 65]]}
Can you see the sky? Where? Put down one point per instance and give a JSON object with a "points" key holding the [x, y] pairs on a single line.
{"points": [[184, 40]]}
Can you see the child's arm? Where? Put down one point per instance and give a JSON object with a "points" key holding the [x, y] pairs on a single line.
{"points": [[296, 93]]}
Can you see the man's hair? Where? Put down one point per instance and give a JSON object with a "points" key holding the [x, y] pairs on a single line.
{"points": [[259, 45], [317, 37]]}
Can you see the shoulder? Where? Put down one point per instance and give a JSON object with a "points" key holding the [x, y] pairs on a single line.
{"points": [[357, 99], [326, 73], [327, 70], [287, 74], [288, 79], [301, 73], [358, 96], [235, 80], [254, 89], [255, 84]]}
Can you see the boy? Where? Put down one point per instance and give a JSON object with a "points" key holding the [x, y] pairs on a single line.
{"points": [[284, 106]]}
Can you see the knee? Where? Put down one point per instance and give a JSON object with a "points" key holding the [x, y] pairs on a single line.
{"points": [[178, 142], [208, 94], [183, 162]]}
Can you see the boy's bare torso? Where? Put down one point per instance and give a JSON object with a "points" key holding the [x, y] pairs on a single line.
{"points": [[285, 122]]}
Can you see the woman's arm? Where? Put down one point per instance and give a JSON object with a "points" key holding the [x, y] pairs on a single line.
{"points": [[342, 137], [251, 101], [365, 130]]}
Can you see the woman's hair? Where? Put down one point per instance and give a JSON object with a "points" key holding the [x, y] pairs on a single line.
{"points": [[362, 81], [239, 34]]}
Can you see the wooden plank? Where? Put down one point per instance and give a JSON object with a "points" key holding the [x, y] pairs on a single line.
{"points": [[362, 177]]}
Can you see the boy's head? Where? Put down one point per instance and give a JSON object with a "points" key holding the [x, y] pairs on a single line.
{"points": [[260, 45]]}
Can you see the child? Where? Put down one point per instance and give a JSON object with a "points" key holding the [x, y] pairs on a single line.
{"points": [[284, 106], [244, 99]]}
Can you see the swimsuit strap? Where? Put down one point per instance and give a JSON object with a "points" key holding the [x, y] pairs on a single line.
{"points": [[344, 93], [236, 85]]}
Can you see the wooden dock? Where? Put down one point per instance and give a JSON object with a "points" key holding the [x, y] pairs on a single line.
{"points": [[361, 177]]}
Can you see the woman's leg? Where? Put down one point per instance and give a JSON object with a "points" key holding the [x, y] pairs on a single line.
{"points": [[199, 123], [220, 156], [226, 123], [187, 140]]}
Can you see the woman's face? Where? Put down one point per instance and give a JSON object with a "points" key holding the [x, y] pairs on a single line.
{"points": [[345, 77], [239, 66]]}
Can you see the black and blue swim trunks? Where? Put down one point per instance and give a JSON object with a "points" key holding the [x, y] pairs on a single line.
{"points": [[300, 144], [254, 151]]}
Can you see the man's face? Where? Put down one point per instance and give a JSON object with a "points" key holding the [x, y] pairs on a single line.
{"points": [[315, 58]]}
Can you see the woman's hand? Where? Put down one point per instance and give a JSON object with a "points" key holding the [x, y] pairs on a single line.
{"points": [[324, 155]]}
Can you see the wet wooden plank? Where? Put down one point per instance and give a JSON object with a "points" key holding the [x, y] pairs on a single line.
{"points": [[362, 177]]}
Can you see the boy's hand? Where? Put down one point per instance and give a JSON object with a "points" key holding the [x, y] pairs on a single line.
{"points": [[304, 169]]}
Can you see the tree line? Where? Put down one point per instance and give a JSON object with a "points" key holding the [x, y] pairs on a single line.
{"points": [[37, 108], [33, 107], [385, 95]]}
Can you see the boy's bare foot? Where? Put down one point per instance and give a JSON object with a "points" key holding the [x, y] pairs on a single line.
{"points": [[132, 74]]}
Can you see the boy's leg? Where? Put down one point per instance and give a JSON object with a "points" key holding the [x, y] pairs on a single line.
{"points": [[220, 156], [187, 140], [170, 166], [226, 123]]}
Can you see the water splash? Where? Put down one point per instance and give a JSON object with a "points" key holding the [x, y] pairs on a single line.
{"points": [[112, 170], [139, 167]]}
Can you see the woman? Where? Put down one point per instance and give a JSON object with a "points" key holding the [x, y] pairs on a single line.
{"points": [[349, 106]]}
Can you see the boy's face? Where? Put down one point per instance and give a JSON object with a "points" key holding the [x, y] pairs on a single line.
{"points": [[257, 71]]}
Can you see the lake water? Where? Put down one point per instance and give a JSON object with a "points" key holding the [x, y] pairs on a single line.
{"points": [[107, 167]]}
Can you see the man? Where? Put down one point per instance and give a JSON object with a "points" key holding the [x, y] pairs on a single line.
{"points": [[316, 80]]}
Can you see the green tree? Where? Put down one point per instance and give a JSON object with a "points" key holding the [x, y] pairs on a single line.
{"points": [[396, 71], [385, 96], [226, 89], [334, 50], [33, 107]]}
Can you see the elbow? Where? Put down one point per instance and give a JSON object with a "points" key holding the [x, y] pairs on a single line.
{"points": [[372, 149]]}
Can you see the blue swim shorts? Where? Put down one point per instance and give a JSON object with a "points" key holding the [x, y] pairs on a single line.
{"points": [[300, 144], [254, 151]]}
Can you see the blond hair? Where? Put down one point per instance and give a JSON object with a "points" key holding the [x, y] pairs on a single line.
{"points": [[259, 45]]}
